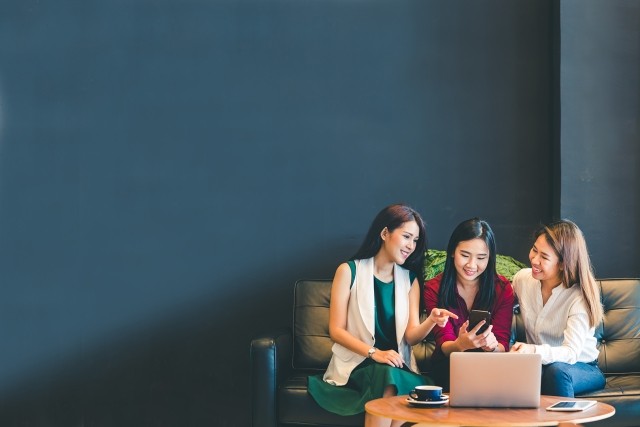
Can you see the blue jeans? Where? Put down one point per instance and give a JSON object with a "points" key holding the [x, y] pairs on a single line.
{"points": [[563, 379]]}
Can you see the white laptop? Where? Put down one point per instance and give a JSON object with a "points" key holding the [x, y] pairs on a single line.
{"points": [[494, 380]]}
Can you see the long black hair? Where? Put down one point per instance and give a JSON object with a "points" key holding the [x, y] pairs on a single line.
{"points": [[392, 217], [473, 228]]}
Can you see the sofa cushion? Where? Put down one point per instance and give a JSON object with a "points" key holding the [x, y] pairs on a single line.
{"points": [[311, 341], [619, 333]]}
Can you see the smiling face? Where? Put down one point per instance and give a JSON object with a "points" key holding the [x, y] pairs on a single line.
{"points": [[545, 263], [401, 242], [470, 259]]}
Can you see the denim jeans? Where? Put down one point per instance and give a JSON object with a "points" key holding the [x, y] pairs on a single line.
{"points": [[563, 379]]}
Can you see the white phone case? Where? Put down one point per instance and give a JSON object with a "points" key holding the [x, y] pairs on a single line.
{"points": [[571, 405]]}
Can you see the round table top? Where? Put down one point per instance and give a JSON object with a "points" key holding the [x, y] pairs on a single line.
{"points": [[398, 408]]}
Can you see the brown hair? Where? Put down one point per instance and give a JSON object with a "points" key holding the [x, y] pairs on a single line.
{"points": [[569, 244]]}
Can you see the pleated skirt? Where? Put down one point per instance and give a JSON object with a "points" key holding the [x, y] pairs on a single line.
{"points": [[367, 382]]}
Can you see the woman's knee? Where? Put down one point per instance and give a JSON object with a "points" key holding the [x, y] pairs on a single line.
{"points": [[390, 390], [556, 380], [557, 370]]}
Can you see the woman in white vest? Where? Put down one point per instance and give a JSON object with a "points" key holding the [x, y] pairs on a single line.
{"points": [[374, 318]]}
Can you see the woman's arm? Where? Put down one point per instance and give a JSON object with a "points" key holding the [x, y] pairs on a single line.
{"points": [[502, 316], [574, 337], [446, 333], [417, 331], [572, 319], [340, 294]]}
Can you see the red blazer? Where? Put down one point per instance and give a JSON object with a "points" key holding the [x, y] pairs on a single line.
{"points": [[501, 313]]}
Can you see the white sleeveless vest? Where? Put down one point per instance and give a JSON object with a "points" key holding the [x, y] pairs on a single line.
{"points": [[361, 321]]}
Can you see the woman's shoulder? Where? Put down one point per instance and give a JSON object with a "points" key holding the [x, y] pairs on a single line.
{"points": [[522, 281], [347, 269], [502, 280], [574, 292], [575, 300], [434, 282], [347, 265], [522, 275], [503, 285]]}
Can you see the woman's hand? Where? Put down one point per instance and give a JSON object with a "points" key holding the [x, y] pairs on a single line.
{"points": [[416, 329], [491, 341], [472, 339], [520, 347], [440, 316], [388, 357]]}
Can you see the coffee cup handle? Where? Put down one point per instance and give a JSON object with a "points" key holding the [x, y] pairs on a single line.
{"points": [[413, 395]]}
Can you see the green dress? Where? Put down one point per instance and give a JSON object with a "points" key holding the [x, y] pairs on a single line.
{"points": [[369, 379]]}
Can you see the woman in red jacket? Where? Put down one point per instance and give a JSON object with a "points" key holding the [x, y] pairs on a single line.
{"points": [[469, 282]]}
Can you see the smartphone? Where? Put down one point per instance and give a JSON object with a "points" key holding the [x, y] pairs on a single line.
{"points": [[476, 316], [571, 405]]}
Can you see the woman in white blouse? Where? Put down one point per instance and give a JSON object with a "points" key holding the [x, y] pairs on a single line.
{"points": [[560, 305]]}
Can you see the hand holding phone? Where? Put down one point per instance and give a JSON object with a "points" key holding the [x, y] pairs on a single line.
{"points": [[475, 316]]}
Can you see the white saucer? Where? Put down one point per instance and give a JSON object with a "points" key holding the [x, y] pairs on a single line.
{"points": [[444, 400]]}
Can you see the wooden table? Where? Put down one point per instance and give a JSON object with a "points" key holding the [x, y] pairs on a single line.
{"points": [[398, 408]]}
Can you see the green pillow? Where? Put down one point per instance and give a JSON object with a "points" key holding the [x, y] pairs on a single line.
{"points": [[435, 260]]}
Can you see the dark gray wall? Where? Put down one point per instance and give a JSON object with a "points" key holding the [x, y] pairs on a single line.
{"points": [[600, 129], [169, 169]]}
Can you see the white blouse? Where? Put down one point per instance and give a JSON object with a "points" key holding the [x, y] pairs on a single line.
{"points": [[560, 328]]}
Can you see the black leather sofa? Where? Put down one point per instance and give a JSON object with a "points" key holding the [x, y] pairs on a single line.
{"points": [[281, 361]]}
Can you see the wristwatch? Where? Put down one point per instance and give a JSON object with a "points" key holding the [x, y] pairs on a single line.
{"points": [[371, 351]]}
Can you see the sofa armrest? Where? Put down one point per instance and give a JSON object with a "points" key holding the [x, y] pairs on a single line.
{"points": [[270, 365]]}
